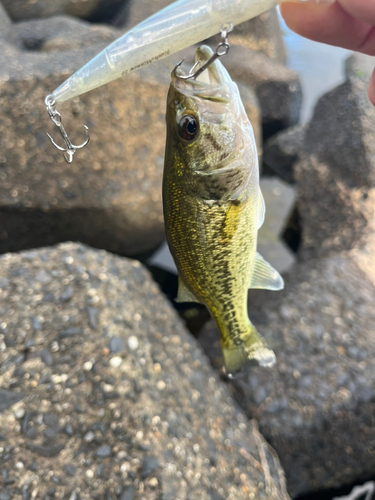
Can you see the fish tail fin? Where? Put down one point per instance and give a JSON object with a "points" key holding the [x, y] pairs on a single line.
{"points": [[248, 347]]}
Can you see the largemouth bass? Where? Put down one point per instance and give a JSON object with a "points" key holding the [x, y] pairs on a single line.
{"points": [[213, 207]]}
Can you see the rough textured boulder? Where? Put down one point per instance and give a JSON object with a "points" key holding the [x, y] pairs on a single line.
{"points": [[283, 150], [110, 196], [316, 406], [58, 33], [5, 22], [105, 395], [19, 10], [336, 174]]}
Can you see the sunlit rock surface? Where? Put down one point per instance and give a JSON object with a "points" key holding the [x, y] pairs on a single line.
{"points": [[336, 174], [103, 391]]}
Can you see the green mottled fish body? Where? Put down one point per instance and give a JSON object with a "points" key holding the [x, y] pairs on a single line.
{"points": [[213, 207]]}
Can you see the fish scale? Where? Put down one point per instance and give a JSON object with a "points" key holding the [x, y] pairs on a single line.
{"points": [[212, 207]]}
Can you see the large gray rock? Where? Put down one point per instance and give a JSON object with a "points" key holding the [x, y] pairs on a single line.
{"points": [[5, 22], [283, 150], [110, 196], [336, 174], [117, 398], [20, 10], [316, 406], [58, 33]]}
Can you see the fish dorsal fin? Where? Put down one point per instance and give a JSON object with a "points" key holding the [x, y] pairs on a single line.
{"points": [[261, 209], [184, 294], [265, 276]]}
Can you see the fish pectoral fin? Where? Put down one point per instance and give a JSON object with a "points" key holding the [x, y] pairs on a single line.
{"points": [[184, 294], [261, 209], [265, 276]]}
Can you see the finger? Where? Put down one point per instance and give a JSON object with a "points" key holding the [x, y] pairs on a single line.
{"points": [[331, 25], [363, 10], [371, 89]]}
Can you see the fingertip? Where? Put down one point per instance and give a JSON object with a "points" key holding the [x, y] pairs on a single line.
{"points": [[304, 19], [371, 89]]}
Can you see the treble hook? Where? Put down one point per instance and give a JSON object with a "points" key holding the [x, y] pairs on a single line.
{"points": [[224, 44], [55, 116]]}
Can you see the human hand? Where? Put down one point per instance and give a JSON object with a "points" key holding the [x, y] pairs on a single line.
{"points": [[347, 23]]}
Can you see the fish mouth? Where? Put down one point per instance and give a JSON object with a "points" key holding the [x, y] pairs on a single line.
{"points": [[213, 83], [215, 74]]}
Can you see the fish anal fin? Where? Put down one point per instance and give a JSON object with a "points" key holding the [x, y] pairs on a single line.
{"points": [[184, 294], [265, 276]]}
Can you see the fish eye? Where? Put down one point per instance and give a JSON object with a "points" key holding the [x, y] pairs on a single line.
{"points": [[188, 127]]}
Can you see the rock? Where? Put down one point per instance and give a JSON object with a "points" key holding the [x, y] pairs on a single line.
{"points": [[117, 344], [5, 22], [19, 10], [278, 88], [134, 12], [334, 217], [58, 33], [110, 196], [283, 150], [9, 398], [103, 451], [336, 174], [318, 400], [173, 430], [345, 139], [279, 199], [128, 494], [149, 465]]}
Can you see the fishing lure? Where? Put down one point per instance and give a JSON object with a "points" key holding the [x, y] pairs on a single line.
{"points": [[180, 25]]}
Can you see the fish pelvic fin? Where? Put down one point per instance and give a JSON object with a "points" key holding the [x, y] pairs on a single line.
{"points": [[184, 294], [248, 347]]}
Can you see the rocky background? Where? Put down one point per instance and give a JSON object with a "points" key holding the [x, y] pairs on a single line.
{"points": [[104, 392]]}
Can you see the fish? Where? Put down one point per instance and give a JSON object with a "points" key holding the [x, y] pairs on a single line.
{"points": [[176, 27], [213, 207]]}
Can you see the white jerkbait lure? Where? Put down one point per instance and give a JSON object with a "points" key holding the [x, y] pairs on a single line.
{"points": [[180, 25]]}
